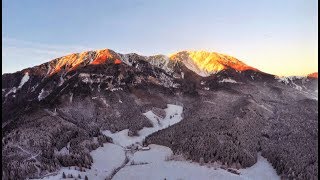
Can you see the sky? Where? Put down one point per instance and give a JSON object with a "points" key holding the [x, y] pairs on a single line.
{"points": [[276, 36]]}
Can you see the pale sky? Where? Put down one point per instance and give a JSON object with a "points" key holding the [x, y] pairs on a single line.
{"points": [[275, 36]]}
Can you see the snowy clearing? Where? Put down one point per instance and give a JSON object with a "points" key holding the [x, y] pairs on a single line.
{"points": [[105, 160], [152, 165], [173, 116], [261, 170], [112, 156], [156, 154], [111, 161]]}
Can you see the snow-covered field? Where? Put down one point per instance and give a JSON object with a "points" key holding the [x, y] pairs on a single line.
{"points": [[105, 160], [153, 164], [112, 156]]}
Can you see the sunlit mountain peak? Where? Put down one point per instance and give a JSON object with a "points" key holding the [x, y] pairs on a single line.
{"points": [[205, 63]]}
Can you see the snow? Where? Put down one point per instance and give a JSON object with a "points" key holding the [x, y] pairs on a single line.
{"points": [[261, 170], [190, 64], [263, 106], [121, 138], [34, 87], [166, 81], [228, 80], [153, 163], [125, 58], [105, 159], [297, 87], [63, 151], [210, 102], [283, 79], [286, 80], [85, 77], [24, 79], [115, 89], [160, 61], [13, 90], [156, 154], [42, 94], [155, 166]]}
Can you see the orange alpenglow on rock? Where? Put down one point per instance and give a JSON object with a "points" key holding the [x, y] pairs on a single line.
{"points": [[72, 61], [313, 75], [201, 62], [69, 60], [209, 62], [102, 56], [80, 59], [117, 61]]}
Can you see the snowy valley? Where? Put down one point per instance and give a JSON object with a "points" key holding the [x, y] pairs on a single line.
{"points": [[127, 158]]}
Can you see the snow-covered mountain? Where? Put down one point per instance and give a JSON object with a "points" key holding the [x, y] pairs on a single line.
{"points": [[59, 114], [207, 63]]}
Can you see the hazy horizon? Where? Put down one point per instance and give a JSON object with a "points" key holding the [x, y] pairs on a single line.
{"points": [[277, 37]]}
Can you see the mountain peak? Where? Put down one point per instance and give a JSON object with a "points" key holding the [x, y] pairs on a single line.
{"points": [[72, 61], [205, 63]]}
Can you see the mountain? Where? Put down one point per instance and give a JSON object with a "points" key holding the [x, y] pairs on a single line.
{"points": [[207, 106]]}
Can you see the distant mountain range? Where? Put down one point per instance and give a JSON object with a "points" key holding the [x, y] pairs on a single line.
{"points": [[231, 111]]}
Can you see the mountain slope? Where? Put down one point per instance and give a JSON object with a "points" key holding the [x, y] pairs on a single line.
{"points": [[231, 111]]}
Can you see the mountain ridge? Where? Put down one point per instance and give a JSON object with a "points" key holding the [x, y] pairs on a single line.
{"points": [[204, 63], [216, 63]]}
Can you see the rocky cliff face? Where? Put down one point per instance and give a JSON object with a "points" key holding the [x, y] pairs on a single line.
{"points": [[231, 111]]}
